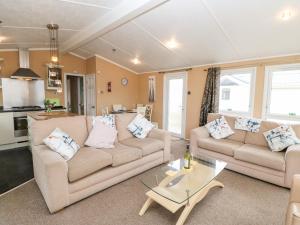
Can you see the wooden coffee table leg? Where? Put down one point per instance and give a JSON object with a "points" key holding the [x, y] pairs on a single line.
{"points": [[146, 206], [173, 207], [195, 199]]}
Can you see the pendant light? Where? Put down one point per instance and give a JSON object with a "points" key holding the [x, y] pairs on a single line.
{"points": [[54, 47], [54, 52]]}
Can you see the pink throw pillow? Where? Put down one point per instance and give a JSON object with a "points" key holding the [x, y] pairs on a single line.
{"points": [[101, 136]]}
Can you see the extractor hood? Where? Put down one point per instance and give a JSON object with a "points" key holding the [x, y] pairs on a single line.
{"points": [[24, 72]]}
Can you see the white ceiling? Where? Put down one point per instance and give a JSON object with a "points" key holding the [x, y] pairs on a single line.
{"points": [[208, 31]]}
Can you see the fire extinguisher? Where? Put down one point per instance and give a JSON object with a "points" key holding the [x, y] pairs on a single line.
{"points": [[109, 87]]}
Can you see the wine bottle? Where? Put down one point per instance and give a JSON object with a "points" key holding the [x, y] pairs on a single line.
{"points": [[187, 159]]}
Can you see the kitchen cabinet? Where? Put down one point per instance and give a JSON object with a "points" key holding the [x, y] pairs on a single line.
{"points": [[6, 128]]}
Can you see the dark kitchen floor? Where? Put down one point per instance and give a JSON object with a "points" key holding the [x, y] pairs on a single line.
{"points": [[15, 168]]}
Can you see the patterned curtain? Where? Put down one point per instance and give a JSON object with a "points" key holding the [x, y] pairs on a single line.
{"points": [[210, 100], [151, 89]]}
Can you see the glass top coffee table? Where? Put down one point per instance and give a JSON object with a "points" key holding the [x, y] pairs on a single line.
{"points": [[173, 186]]}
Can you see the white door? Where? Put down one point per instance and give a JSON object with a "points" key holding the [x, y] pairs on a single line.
{"points": [[175, 86], [90, 83]]}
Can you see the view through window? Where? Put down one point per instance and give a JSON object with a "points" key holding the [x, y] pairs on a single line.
{"points": [[236, 91], [283, 93]]}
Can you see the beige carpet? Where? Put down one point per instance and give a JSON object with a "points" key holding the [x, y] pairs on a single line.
{"points": [[243, 201]]}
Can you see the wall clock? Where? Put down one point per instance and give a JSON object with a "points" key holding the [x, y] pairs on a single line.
{"points": [[124, 81]]}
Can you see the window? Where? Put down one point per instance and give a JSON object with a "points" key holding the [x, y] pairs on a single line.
{"points": [[237, 91], [226, 94], [282, 93]]}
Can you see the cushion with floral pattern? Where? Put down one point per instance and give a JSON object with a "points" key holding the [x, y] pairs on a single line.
{"points": [[108, 120], [247, 124], [281, 137], [219, 128]]}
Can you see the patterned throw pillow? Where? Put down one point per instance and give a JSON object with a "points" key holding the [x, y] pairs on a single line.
{"points": [[219, 128], [62, 143], [247, 124], [140, 126], [281, 137], [106, 119]]}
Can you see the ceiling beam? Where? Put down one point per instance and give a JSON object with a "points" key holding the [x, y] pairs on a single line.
{"points": [[123, 13]]}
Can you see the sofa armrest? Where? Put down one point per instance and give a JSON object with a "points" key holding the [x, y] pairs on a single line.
{"points": [[296, 219], [164, 136], [51, 175], [295, 189], [292, 165], [196, 134]]}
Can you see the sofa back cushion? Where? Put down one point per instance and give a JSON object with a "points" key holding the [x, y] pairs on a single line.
{"points": [[259, 138], [122, 121], [296, 128], [239, 135], [89, 123], [75, 126]]}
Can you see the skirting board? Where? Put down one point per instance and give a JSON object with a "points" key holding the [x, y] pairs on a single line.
{"points": [[14, 145]]}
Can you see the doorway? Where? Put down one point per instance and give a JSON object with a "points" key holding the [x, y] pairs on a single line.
{"points": [[175, 86], [74, 93], [90, 84]]}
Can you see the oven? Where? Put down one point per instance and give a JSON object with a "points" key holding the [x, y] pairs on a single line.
{"points": [[20, 124]]}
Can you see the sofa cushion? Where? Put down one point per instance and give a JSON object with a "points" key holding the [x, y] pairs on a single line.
{"points": [[247, 124], [261, 156], [101, 136], [239, 135], [122, 154], [281, 137], [87, 161], [296, 128], [259, 138], [219, 128], [60, 142], [75, 126], [140, 126], [224, 146], [147, 145], [122, 121]]}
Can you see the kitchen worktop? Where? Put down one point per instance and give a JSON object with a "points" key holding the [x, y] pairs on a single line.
{"points": [[3, 110], [49, 115]]}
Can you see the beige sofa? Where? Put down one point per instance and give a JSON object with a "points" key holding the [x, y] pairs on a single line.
{"points": [[91, 170], [248, 153], [293, 211]]}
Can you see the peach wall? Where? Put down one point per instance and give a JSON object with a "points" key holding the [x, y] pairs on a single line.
{"points": [[38, 59], [91, 65], [196, 83], [125, 95], [105, 72], [157, 114]]}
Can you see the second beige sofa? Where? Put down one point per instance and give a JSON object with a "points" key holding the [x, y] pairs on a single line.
{"points": [[91, 170], [248, 152]]}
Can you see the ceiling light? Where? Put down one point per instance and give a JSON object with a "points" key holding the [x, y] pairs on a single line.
{"points": [[286, 15], [171, 44], [54, 50], [2, 38], [135, 61]]}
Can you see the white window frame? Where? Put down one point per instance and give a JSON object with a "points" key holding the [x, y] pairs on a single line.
{"points": [[267, 93], [251, 70]]}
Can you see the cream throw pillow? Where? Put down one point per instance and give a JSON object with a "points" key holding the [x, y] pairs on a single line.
{"points": [[140, 126], [62, 143], [101, 136]]}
